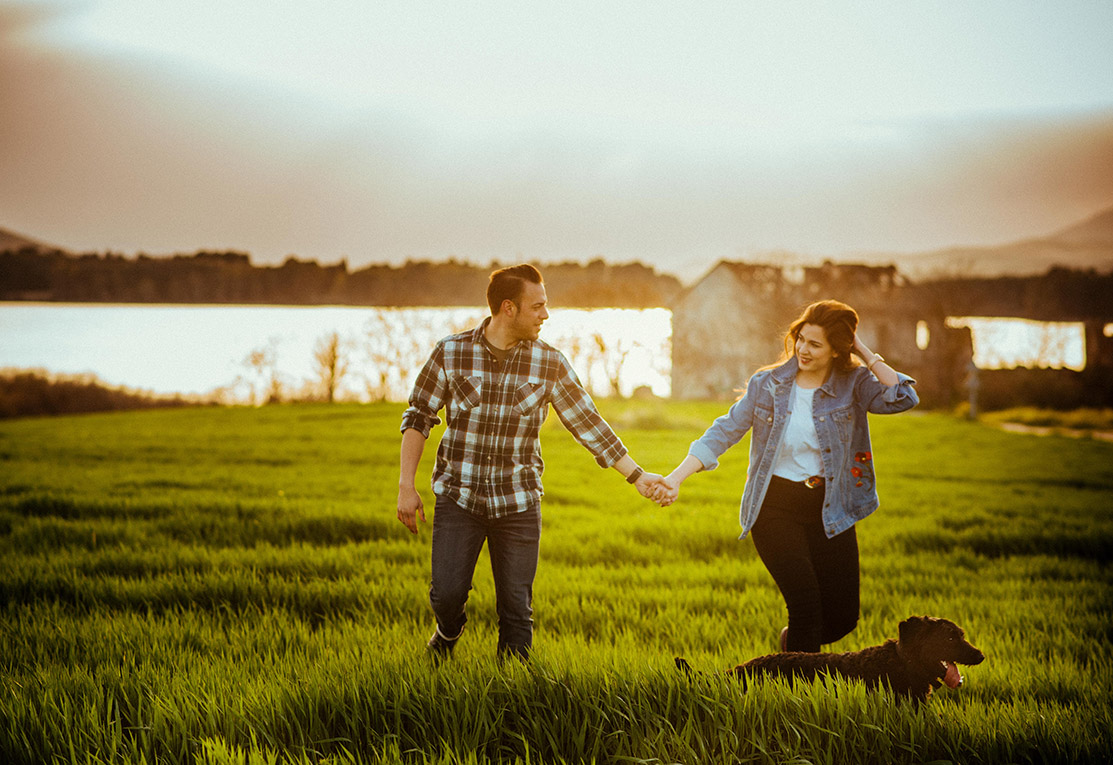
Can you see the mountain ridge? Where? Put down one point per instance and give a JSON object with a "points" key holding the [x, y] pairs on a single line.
{"points": [[1097, 229], [10, 241], [1086, 244]]}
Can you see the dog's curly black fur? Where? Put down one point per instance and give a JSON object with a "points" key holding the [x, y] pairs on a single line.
{"points": [[912, 666]]}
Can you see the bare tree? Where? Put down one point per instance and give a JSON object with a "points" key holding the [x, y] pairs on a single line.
{"points": [[383, 357], [581, 355], [397, 343], [331, 356], [390, 351], [264, 385], [613, 357]]}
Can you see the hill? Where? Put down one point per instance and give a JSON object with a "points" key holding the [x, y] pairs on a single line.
{"points": [[1029, 257], [1081, 246], [1095, 230], [13, 242]]}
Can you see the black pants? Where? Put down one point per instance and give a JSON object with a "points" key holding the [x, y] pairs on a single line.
{"points": [[817, 576]]}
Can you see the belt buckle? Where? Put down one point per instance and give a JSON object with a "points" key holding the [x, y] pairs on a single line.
{"points": [[814, 482]]}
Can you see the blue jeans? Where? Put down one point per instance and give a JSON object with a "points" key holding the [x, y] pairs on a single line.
{"points": [[513, 543]]}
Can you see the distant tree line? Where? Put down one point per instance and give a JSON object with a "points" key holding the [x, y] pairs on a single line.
{"points": [[230, 277], [35, 392]]}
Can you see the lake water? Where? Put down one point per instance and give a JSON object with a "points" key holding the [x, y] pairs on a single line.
{"points": [[1009, 343], [198, 349]]}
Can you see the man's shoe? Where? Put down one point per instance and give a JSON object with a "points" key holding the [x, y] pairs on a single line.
{"points": [[439, 647], [507, 652]]}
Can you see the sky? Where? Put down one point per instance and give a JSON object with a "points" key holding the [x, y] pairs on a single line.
{"points": [[673, 134]]}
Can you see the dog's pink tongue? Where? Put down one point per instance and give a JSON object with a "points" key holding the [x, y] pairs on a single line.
{"points": [[953, 678]]}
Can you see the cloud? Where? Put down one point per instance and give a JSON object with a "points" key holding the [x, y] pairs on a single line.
{"points": [[115, 151], [19, 18]]}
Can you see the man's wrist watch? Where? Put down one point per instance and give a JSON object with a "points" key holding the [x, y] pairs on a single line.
{"points": [[635, 474]]}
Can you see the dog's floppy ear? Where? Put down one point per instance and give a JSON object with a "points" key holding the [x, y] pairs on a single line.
{"points": [[910, 626]]}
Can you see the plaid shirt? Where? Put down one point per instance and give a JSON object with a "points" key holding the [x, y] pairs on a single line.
{"points": [[489, 460]]}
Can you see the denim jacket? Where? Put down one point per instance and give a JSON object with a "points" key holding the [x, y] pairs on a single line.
{"points": [[839, 410]]}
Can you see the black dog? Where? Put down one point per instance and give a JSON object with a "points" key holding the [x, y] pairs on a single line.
{"points": [[922, 659]]}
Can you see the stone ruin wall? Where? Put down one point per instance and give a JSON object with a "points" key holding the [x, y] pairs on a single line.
{"points": [[733, 321]]}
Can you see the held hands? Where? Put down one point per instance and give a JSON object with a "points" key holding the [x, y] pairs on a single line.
{"points": [[668, 491], [655, 487]]}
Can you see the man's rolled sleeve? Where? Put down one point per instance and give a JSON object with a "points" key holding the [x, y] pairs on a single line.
{"points": [[413, 419], [577, 411], [428, 396]]}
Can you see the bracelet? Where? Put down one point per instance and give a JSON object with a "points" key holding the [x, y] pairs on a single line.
{"points": [[878, 357], [635, 474]]}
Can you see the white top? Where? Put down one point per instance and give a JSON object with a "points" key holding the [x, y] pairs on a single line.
{"points": [[799, 455]]}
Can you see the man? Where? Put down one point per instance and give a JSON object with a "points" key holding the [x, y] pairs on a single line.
{"points": [[496, 383]]}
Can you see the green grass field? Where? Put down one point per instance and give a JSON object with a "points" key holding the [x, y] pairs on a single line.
{"points": [[231, 585]]}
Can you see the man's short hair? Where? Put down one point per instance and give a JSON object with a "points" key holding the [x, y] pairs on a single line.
{"points": [[507, 284]]}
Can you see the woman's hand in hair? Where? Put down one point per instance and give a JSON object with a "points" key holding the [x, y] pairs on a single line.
{"points": [[861, 351], [885, 374]]}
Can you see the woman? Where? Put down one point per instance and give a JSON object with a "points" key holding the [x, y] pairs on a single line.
{"points": [[811, 474]]}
